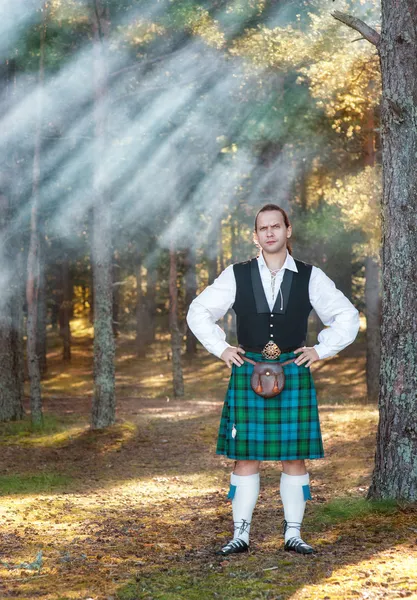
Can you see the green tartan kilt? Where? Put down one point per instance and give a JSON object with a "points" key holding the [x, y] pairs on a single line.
{"points": [[285, 427]]}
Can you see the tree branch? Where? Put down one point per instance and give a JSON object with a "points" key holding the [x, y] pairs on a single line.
{"points": [[367, 32]]}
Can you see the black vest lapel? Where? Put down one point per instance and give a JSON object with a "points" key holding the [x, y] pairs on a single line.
{"points": [[258, 289], [285, 289]]}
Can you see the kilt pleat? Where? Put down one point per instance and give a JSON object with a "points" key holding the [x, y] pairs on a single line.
{"points": [[285, 427]]}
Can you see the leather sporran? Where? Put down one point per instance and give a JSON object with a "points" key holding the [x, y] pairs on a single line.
{"points": [[268, 378]]}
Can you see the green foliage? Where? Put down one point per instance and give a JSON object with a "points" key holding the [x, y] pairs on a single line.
{"points": [[345, 509]]}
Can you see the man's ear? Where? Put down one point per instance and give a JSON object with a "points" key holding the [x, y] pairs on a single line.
{"points": [[289, 231]]}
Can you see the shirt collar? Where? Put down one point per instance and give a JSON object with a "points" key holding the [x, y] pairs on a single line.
{"points": [[289, 262]]}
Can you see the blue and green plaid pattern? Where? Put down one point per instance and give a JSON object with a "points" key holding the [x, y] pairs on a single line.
{"points": [[285, 427]]}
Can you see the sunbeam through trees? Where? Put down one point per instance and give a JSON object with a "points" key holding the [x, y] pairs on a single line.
{"points": [[138, 140]]}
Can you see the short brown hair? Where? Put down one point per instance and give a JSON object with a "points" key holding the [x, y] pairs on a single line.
{"points": [[270, 207]]}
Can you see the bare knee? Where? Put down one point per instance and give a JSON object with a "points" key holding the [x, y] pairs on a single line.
{"points": [[246, 467], [294, 467]]}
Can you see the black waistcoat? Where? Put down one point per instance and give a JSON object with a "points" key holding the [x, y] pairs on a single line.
{"points": [[286, 324]]}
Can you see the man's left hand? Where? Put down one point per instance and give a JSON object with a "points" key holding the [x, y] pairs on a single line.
{"points": [[308, 355]]}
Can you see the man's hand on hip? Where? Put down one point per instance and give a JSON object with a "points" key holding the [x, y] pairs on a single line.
{"points": [[231, 356], [308, 355]]}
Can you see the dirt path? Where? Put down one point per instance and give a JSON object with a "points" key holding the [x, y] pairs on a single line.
{"points": [[137, 511]]}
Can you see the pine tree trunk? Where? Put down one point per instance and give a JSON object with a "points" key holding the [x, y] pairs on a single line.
{"points": [[19, 319], [176, 337], [34, 266], [116, 294], [142, 325], [41, 340], [190, 294], [151, 281], [11, 407], [395, 474], [372, 287], [212, 269], [234, 234], [65, 310], [104, 401], [373, 327], [213, 253]]}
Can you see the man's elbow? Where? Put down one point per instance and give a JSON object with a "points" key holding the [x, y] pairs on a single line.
{"points": [[189, 316], [192, 315], [355, 325]]}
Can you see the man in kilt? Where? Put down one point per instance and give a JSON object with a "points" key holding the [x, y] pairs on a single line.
{"points": [[272, 296]]}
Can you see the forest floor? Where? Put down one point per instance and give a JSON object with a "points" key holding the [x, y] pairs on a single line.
{"points": [[137, 511]]}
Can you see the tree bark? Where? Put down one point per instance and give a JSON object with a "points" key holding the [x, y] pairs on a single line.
{"points": [[104, 400], [142, 316], [116, 294], [213, 253], [190, 294], [373, 327], [151, 281], [65, 309], [11, 406], [176, 337], [395, 474], [41, 339], [234, 234], [34, 267]]}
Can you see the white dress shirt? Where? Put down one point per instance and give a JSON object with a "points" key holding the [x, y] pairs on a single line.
{"points": [[331, 305]]}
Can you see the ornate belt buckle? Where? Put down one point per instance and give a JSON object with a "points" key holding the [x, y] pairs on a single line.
{"points": [[271, 351]]}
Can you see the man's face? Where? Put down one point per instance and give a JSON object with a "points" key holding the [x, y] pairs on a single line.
{"points": [[271, 232]]}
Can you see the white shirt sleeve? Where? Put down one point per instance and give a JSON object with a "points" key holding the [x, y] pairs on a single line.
{"points": [[210, 306], [335, 311]]}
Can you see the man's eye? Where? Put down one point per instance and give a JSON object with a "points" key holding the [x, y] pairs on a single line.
{"points": [[276, 226]]}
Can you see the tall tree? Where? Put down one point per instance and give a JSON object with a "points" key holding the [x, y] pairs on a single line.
{"points": [[176, 336], [190, 293], [150, 300], [11, 406], [116, 276], [41, 339], [34, 266], [395, 472], [65, 308], [143, 325], [104, 400]]}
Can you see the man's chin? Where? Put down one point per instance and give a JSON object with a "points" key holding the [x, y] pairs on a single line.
{"points": [[273, 249]]}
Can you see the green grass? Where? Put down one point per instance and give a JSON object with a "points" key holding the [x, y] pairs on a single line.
{"points": [[226, 585], [345, 509], [24, 428], [28, 484], [53, 431]]}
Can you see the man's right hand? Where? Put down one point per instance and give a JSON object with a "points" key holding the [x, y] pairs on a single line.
{"points": [[231, 356]]}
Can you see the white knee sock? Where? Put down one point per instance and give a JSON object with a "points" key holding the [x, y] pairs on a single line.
{"points": [[244, 491], [294, 491]]}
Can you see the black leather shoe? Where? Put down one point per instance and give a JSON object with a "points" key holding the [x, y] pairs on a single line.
{"points": [[296, 544], [233, 547]]}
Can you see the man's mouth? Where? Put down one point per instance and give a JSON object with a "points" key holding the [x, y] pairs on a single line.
{"points": [[271, 242]]}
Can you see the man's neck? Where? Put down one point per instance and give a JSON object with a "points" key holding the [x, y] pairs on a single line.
{"points": [[276, 260]]}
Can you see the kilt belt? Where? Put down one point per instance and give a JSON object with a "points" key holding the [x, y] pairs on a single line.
{"points": [[285, 427]]}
